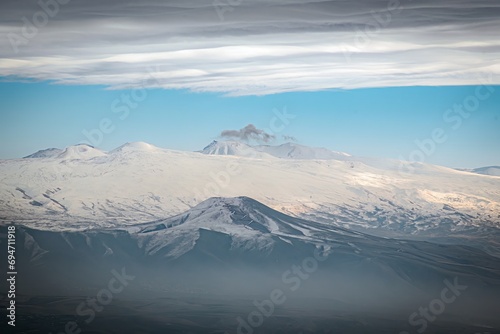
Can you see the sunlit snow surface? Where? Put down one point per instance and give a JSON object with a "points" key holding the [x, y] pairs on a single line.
{"points": [[82, 187]]}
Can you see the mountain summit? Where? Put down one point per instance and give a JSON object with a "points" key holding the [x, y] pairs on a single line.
{"points": [[79, 151], [234, 148], [301, 152], [283, 151], [47, 153]]}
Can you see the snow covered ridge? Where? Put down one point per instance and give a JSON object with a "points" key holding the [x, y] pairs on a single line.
{"points": [[47, 153], [234, 148], [489, 170], [242, 239], [83, 187], [250, 224], [81, 151], [284, 151]]}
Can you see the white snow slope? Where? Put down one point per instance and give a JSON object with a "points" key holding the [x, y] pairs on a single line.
{"points": [[283, 151], [139, 182], [234, 148], [296, 151], [490, 170]]}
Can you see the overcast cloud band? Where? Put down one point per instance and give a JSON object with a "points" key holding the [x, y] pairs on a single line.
{"points": [[251, 47]]}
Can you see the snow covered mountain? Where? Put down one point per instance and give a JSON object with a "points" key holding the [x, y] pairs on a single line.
{"points": [[83, 187], [47, 153], [283, 151], [239, 247], [234, 148], [250, 224], [80, 151], [135, 147], [223, 231], [490, 170], [296, 151]]}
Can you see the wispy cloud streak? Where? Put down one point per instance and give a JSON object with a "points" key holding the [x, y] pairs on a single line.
{"points": [[261, 47]]}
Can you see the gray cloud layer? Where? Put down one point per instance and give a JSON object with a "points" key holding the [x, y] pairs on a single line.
{"points": [[254, 47], [249, 132]]}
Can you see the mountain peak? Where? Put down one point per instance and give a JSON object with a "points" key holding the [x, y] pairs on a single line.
{"points": [[47, 153], [136, 146], [225, 144], [240, 201], [488, 170], [233, 148], [242, 217], [80, 151], [284, 151]]}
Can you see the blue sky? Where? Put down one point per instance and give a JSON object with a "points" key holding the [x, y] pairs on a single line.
{"points": [[378, 122]]}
